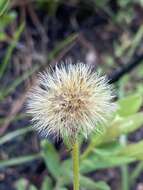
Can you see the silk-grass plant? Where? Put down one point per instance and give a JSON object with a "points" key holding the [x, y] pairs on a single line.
{"points": [[69, 102]]}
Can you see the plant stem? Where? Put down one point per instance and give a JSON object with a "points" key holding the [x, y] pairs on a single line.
{"points": [[75, 156], [136, 172], [125, 177], [124, 168]]}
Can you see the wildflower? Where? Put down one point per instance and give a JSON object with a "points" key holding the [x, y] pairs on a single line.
{"points": [[70, 101]]}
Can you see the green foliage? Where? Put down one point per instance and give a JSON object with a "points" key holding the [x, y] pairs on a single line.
{"points": [[103, 151], [129, 105], [50, 6], [22, 184], [10, 49], [4, 5], [47, 184], [18, 160], [51, 156]]}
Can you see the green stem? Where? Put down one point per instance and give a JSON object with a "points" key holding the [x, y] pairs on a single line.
{"points": [[75, 156], [124, 168], [135, 174], [125, 177]]}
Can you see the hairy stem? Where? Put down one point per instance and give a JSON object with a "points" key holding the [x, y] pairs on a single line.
{"points": [[75, 156]]}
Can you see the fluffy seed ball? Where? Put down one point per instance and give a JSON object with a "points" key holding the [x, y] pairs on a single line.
{"points": [[70, 101]]}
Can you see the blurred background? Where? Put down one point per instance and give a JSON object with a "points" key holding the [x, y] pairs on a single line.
{"points": [[36, 34]]}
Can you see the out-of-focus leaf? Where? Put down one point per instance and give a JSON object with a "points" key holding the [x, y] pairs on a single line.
{"points": [[10, 49], [89, 184], [133, 150], [109, 149], [85, 182], [14, 134], [4, 4], [47, 184], [118, 127], [18, 160], [6, 20], [32, 187], [103, 157], [129, 105], [22, 184], [95, 162], [51, 158], [136, 172], [3, 36]]}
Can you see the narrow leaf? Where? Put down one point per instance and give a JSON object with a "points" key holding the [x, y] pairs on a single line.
{"points": [[51, 158], [18, 160]]}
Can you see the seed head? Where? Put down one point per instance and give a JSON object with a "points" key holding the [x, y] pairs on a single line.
{"points": [[70, 101]]}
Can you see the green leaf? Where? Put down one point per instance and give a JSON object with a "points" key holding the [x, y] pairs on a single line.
{"points": [[133, 150], [47, 184], [32, 187], [109, 149], [51, 158], [89, 184], [10, 49], [4, 5], [136, 172], [3, 36], [118, 127], [6, 19], [129, 105], [22, 184], [85, 182], [95, 162], [16, 133], [124, 125], [18, 160]]}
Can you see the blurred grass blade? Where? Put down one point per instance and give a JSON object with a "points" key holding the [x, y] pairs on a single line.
{"points": [[10, 49], [4, 5], [35, 68], [12, 135], [17, 82], [136, 172], [135, 42], [19, 160], [16, 118]]}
